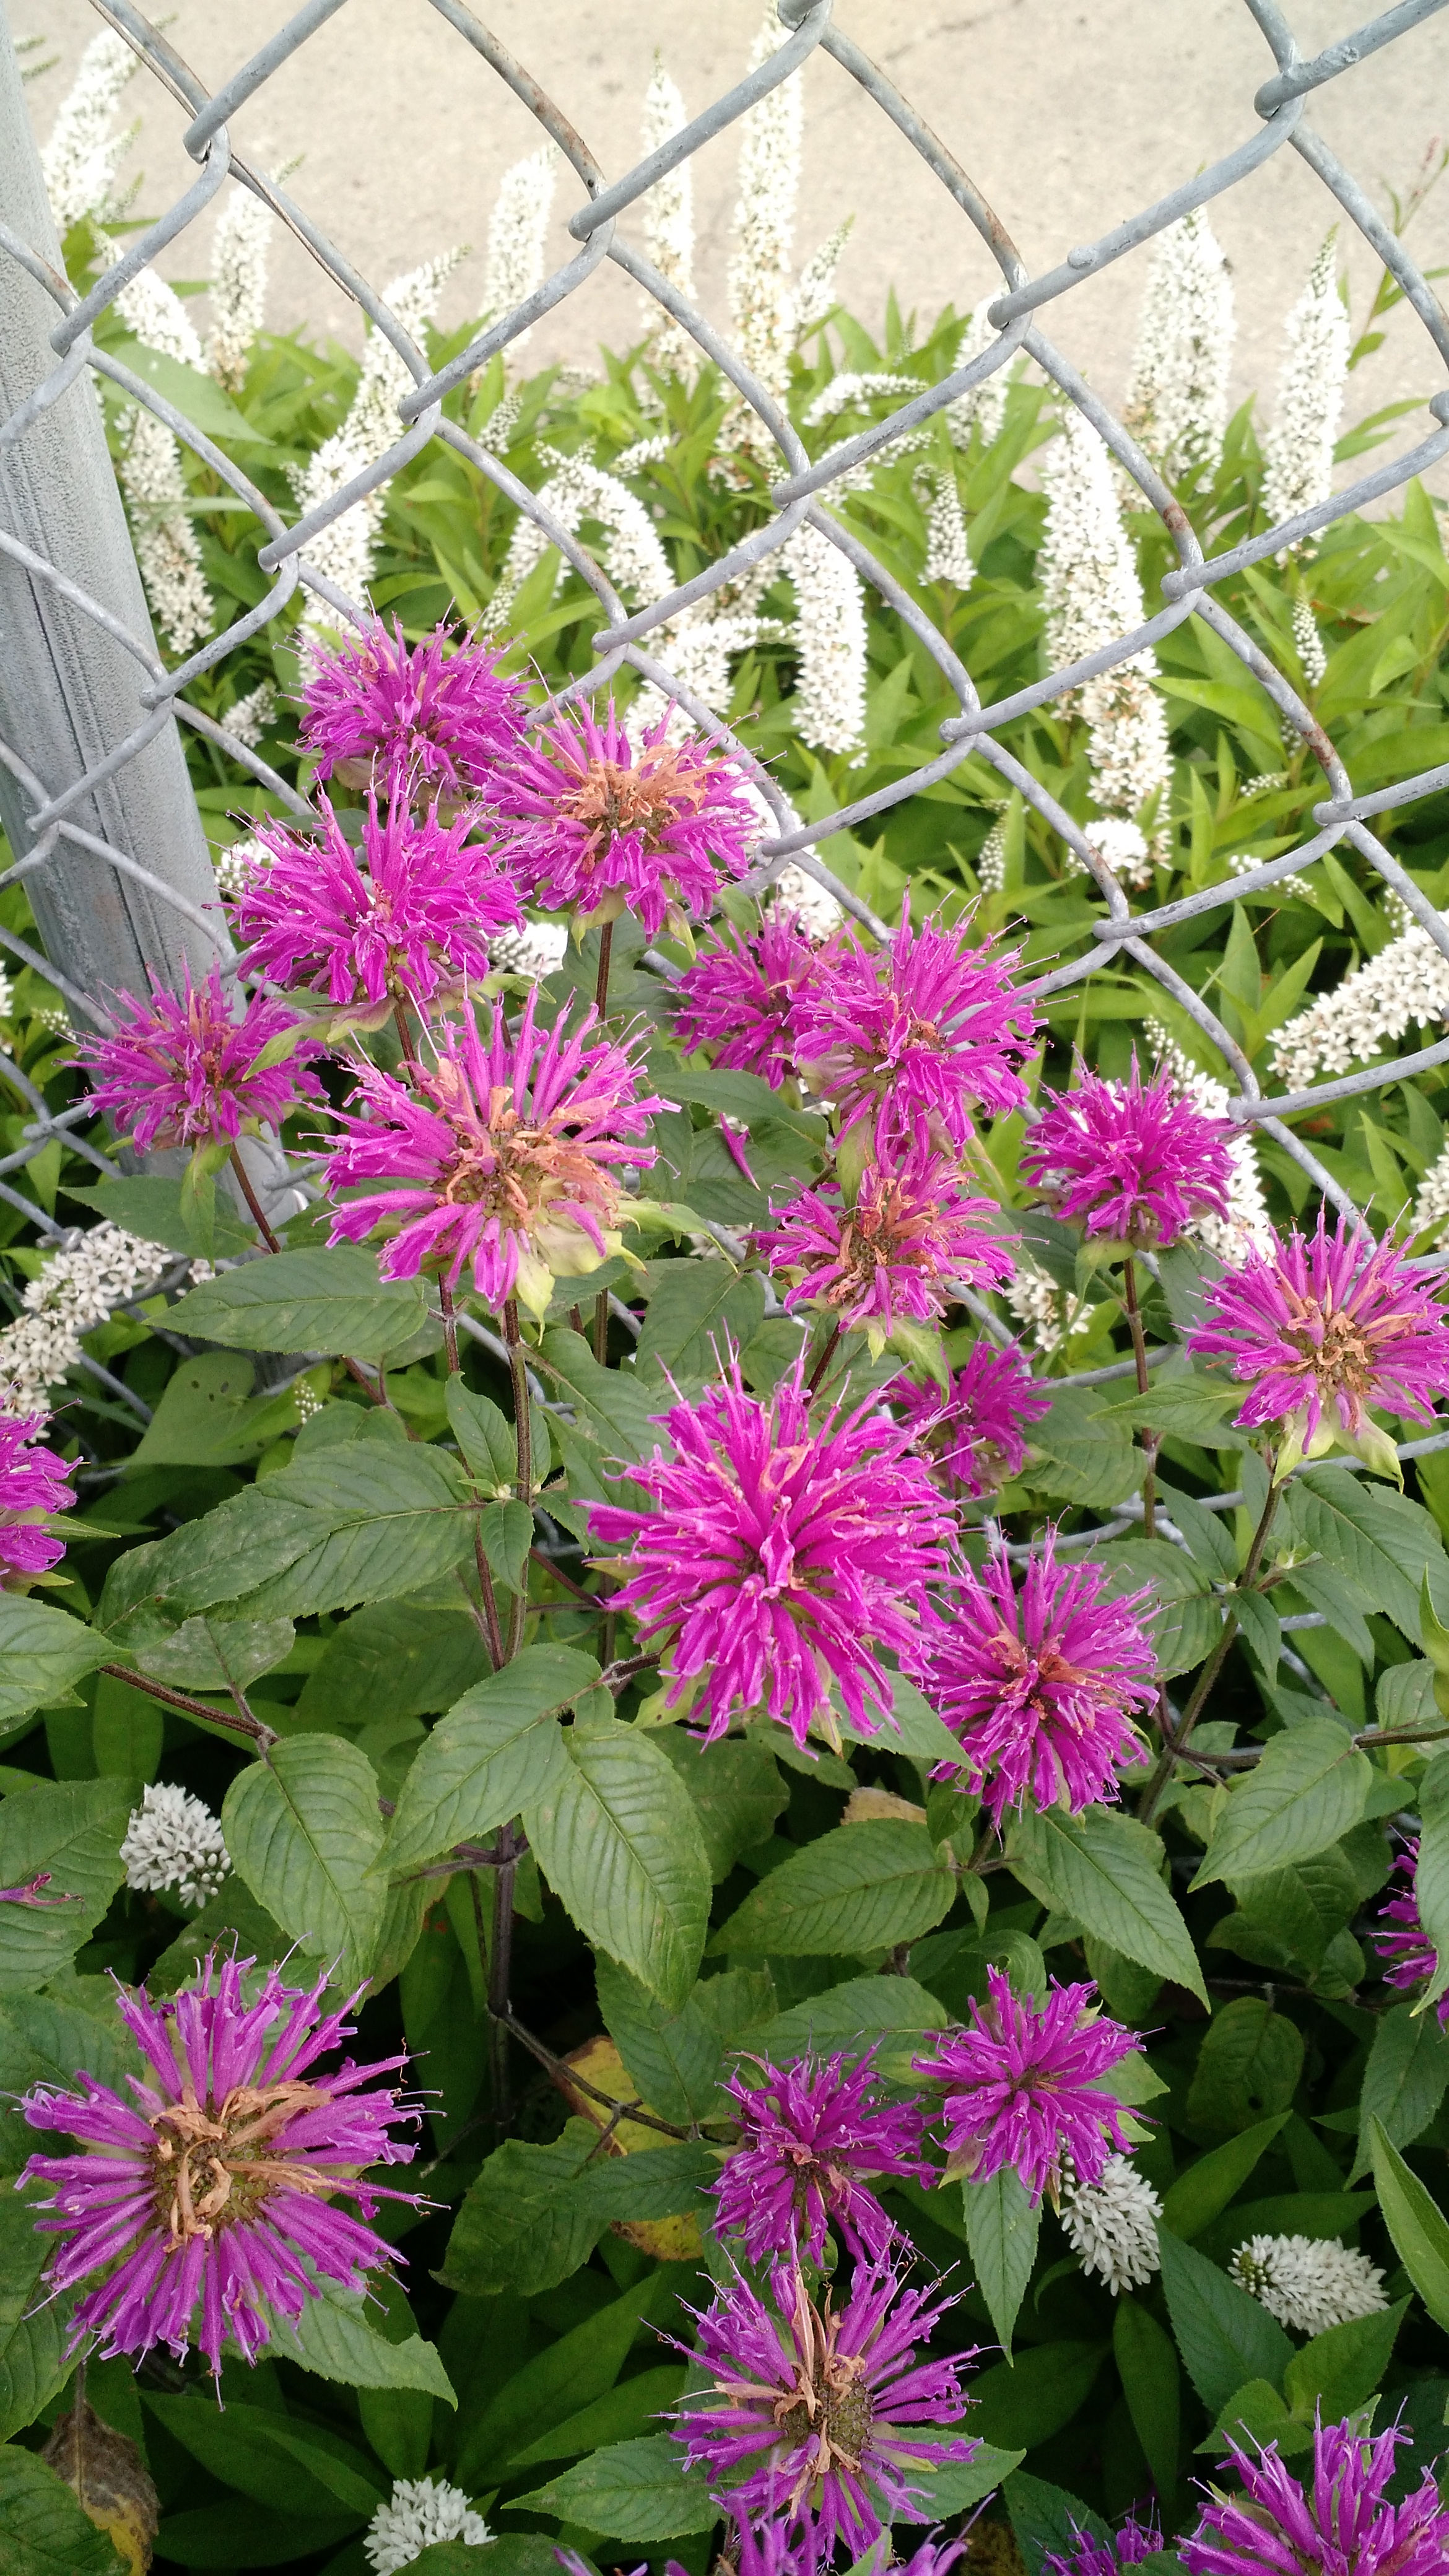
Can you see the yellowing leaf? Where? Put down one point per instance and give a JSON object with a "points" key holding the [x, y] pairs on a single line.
{"points": [[109, 2479], [668, 2240]]}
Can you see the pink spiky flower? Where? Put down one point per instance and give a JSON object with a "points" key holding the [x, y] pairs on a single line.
{"points": [[1327, 1326], [910, 1242], [782, 1553], [33, 1482], [217, 2187], [1136, 1164], [829, 2406], [1409, 1955], [504, 1156], [1040, 1684], [809, 2134], [377, 704], [928, 1029], [585, 819], [1092, 2557], [976, 1435], [185, 1070], [740, 996], [1021, 2086], [1339, 2523], [422, 911]]}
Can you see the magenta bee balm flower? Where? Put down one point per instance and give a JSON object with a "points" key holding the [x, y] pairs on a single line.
{"points": [[1327, 1326], [740, 997], [196, 2209], [422, 911], [782, 1553], [927, 1029], [1092, 2557], [33, 1482], [1408, 1954], [825, 2405], [1040, 1684], [1020, 2086], [502, 1158], [1339, 2523], [419, 711], [907, 1246], [1137, 1165], [976, 1434], [186, 1070], [808, 2137], [589, 822]]}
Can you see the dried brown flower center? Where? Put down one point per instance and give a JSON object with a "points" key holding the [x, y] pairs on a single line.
{"points": [[611, 798], [211, 2165], [1335, 1349], [514, 1169], [834, 2417]]}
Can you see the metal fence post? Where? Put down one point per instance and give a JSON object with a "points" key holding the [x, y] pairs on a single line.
{"points": [[69, 692]]}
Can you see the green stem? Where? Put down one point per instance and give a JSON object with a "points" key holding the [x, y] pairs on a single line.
{"points": [[523, 1434], [1150, 1440], [450, 1326], [1176, 1743]]}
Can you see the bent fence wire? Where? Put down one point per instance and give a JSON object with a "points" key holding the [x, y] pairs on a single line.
{"points": [[89, 713]]}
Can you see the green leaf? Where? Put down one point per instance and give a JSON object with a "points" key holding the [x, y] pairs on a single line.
{"points": [[1404, 2081], [43, 2530], [46, 2041], [73, 1829], [1086, 1453], [736, 1788], [895, 2012], [303, 1829], [522, 2226], [1416, 2224], [695, 1307], [1046, 2520], [1341, 2368], [862, 1887], [1002, 2225], [1248, 2067], [627, 2411], [1223, 2334], [255, 2448], [235, 2533], [499, 1750], [395, 1659], [386, 1515], [1379, 1538], [198, 397], [506, 1530], [619, 1842], [206, 1654], [146, 1205], [43, 1653], [1431, 1878], [1308, 1790], [206, 1416], [231, 1918], [1104, 1870], [1146, 2359], [334, 2337], [485, 1436], [661, 2181], [672, 2058], [638, 2492], [956, 2485], [1205, 2189], [327, 1300], [572, 2370], [34, 2328], [1017, 2405]]}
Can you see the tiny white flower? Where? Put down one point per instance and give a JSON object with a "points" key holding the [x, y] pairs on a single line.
{"points": [[517, 232], [830, 639], [1309, 2283], [82, 156], [1298, 448], [991, 859], [75, 1288], [814, 906], [1308, 643], [762, 293], [1111, 2225], [248, 718], [948, 553], [240, 249], [1432, 1204], [1177, 400], [1405, 985], [537, 950], [984, 403], [419, 2512], [174, 1841], [1092, 595], [1036, 1301], [668, 212]]}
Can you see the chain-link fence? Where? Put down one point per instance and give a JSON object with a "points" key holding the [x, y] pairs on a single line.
{"points": [[93, 782]]}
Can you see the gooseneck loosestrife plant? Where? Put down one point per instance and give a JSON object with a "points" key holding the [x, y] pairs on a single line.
{"points": [[722, 1571]]}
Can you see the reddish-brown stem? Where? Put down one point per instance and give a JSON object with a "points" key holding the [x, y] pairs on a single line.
{"points": [[823, 1362], [1176, 1743], [241, 1721], [523, 1434], [601, 988], [589, 1599], [259, 1217], [405, 1035], [492, 1624], [1150, 1440], [450, 1326]]}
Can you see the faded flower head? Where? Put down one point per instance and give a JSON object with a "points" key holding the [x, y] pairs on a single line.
{"points": [[1090, 2556], [1328, 1325], [1137, 1163], [1041, 1684], [419, 2512], [740, 996], [420, 912], [589, 820], [1022, 2086], [1111, 2224], [405, 712], [809, 2136], [502, 1158], [174, 1840], [220, 2185], [184, 1070], [924, 1030], [1401, 1941], [781, 1554], [976, 1434], [1339, 2522], [901, 1252], [33, 1483], [822, 2405], [1309, 2283]]}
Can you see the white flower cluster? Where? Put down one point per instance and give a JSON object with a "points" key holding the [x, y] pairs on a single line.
{"points": [[1292, 888], [1432, 1204], [517, 231], [1309, 2283], [75, 1289], [830, 640], [248, 718], [1121, 846], [578, 489], [761, 288], [1092, 596], [815, 292], [1298, 449], [1247, 1226], [174, 1840], [7, 995], [419, 2512], [1407, 982], [1177, 398], [167, 547], [853, 390], [342, 553], [234, 866], [1308, 643], [536, 950], [1050, 1315], [948, 553], [984, 403], [991, 859], [240, 249], [668, 212], [644, 451], [1111, 2225], [496, 433], [82, 156], [814, 906]]}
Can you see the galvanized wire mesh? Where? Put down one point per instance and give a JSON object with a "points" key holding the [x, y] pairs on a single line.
{"points": [[800, 496]]}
